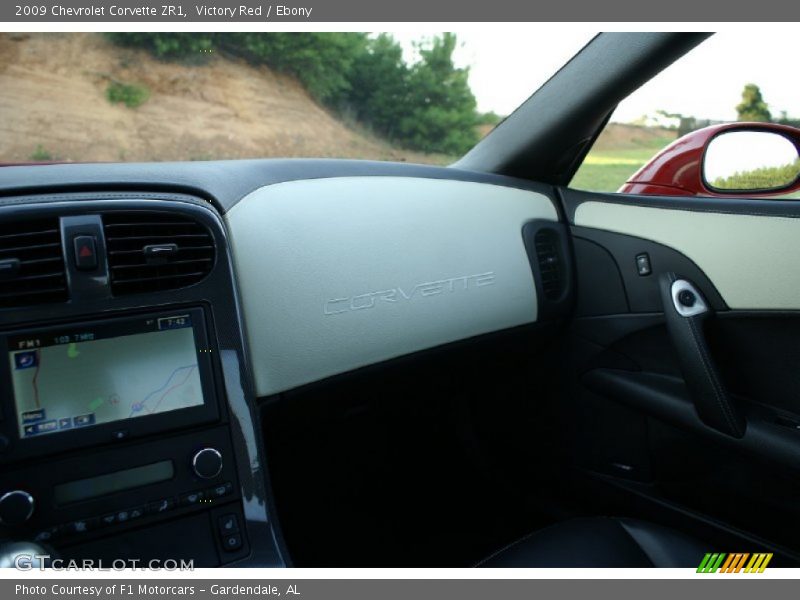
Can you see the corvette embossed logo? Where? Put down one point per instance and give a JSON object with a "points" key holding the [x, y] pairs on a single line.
{"points": [[337, 306]]}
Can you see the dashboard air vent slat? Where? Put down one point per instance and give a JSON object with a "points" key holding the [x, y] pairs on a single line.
{"points": [[153, 251], [550, 268], [31, 263]]}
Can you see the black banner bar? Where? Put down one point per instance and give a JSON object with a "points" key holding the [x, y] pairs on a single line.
{"points": [[733, 587], [253, 11]]}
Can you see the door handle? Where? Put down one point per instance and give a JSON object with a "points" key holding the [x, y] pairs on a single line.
{"points": [[686, 312]]}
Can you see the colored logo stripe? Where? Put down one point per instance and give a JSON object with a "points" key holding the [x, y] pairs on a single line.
{"points": [[710, 562], [734, 563], [758, 563]]}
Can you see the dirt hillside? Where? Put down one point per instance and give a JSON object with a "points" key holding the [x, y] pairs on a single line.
{"points": [[53, 104]]}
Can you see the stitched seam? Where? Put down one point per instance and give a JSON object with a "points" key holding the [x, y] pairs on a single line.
{"points": [[715, 386], [702, 357]]}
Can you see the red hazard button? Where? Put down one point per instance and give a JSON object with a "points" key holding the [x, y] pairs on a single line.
{"points": [[85, 252]]}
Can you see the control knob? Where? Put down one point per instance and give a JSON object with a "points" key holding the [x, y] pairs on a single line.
{"points": [[207, 463], [16, 507]]}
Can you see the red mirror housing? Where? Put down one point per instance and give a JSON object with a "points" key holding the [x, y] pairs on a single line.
{"points": [[677, 169]]}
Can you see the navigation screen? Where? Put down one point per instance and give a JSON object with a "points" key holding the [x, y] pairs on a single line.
{"points": [[68, 379]]}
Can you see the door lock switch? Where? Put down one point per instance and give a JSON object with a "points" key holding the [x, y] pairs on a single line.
{"points": [[643, 264], [687, 298]]}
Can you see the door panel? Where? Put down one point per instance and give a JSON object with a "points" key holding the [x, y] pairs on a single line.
{"points": [[641, 428], [751, 259]]}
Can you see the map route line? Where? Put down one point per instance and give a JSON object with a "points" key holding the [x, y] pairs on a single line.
{"points": [[139, 406], [165, 394], [34, 381]]}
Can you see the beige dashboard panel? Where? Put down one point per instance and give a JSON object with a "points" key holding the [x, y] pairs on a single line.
{"points": [[336, 274]]}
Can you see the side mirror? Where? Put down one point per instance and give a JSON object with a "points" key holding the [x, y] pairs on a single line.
{"points": [[739, 161], [728, 160]]}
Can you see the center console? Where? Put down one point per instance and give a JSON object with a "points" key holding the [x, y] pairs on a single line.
{"points": [[126, 423]]}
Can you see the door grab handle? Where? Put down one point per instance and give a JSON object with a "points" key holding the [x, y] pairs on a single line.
{"points": [[686, 312]]}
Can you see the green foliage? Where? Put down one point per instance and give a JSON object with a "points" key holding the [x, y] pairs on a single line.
{"points": [[41, 154], [764, 178], [426, 106], [752, 107], [129, 94], [786, 120], [441, 116], [379, 86], [321, 61], [488, 118]]}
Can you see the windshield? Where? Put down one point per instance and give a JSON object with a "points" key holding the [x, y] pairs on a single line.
{"points": [[418, 97]]}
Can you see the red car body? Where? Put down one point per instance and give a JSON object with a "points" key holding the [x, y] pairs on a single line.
{"points": [[677, 169]]}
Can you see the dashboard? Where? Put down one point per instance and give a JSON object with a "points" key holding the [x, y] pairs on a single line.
{"points": [[146, 311]]}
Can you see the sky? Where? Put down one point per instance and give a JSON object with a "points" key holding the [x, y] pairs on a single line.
{"points": [[507, 66]]}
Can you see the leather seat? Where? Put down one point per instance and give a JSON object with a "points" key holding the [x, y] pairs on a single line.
{"points": [[600, 542]]}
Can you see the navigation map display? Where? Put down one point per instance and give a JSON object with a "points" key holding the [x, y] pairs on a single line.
{"points": [[68, 379]]}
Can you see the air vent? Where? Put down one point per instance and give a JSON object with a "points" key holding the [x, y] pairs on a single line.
{"points": [[155, 251], [550, 268], [31, 263]]}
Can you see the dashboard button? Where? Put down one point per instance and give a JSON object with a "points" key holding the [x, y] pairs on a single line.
{"points": [[160, 506], [80, 526], [643, 264], [232, 542], [228, 524], [85, 252], [106, 520], [218, 491], [136, 512], [49, 534], [190, 499]]}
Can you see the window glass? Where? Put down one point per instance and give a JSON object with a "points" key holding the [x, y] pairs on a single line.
{"points": [[720, 82], [155, 96]]}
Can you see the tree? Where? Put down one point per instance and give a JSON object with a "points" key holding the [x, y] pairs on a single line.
{"points": [[442, 109], [426, 106], [321, 61], [752, 107], [379, 85]]}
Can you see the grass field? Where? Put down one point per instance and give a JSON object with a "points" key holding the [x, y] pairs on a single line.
{"points": [[613, 160]]}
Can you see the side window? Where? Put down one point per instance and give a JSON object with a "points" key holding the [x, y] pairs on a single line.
{"points": [[722, 121]]}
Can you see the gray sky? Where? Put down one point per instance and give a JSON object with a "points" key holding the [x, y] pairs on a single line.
{"points": [[508, 65]]}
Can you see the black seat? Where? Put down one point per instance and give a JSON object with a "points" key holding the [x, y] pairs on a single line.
{"points": [[600, 542]]}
